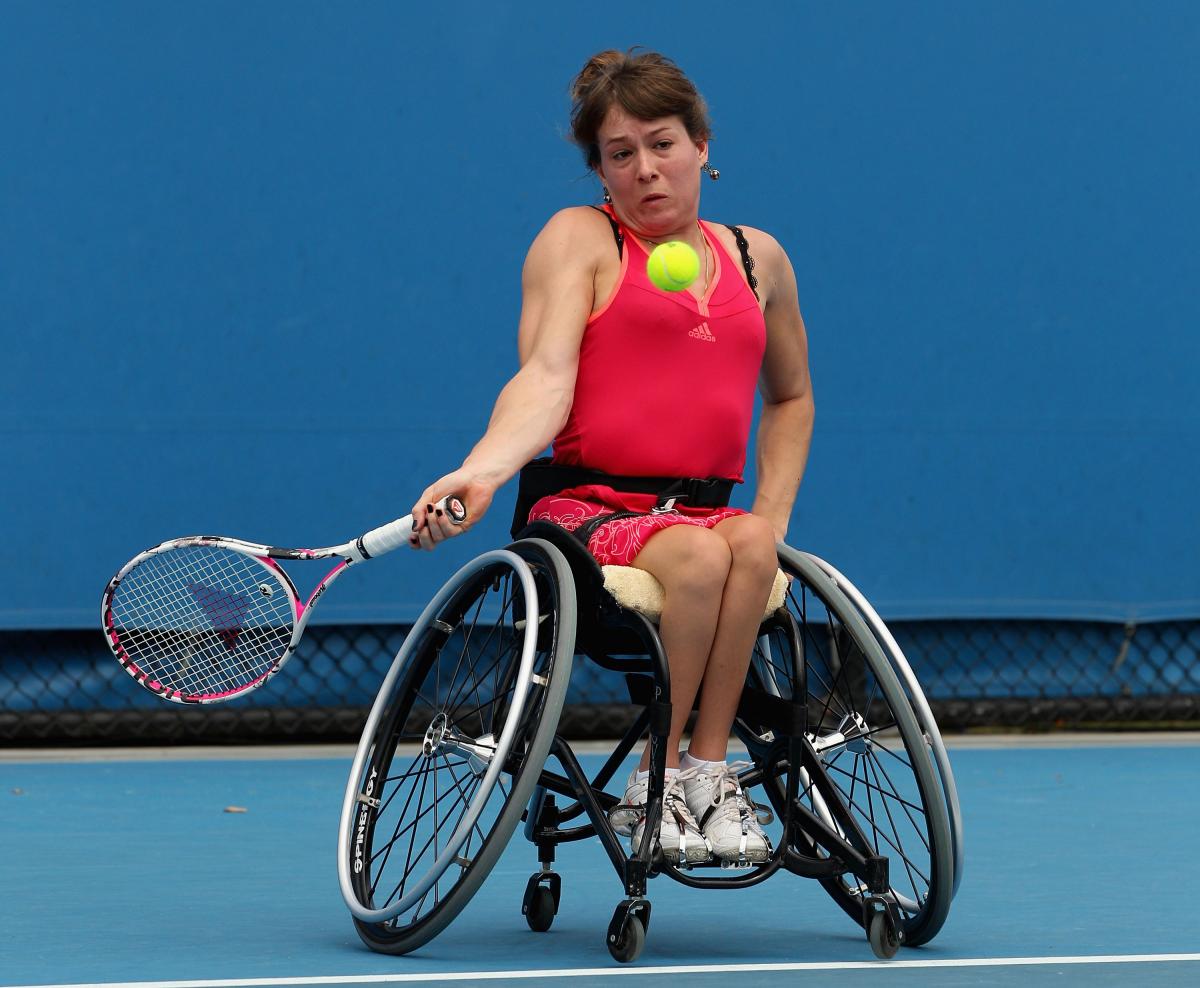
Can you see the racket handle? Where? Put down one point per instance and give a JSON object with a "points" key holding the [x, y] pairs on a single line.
{"points": [[387, 537]]}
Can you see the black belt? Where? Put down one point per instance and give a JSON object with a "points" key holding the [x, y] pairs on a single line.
{"points": [[541, 478]]}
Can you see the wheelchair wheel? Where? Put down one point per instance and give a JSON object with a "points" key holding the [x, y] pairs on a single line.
{"points": [[916, 698], [868, 742], [455, 743]]}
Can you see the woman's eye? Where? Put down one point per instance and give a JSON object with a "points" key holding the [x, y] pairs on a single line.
{"points": [[620, 155], [663, 144]]}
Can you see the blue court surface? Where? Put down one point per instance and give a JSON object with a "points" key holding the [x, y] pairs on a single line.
{"points": [[125, 868]]}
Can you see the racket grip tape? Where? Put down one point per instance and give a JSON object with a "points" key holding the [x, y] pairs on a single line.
{"points": [[387, 537]]}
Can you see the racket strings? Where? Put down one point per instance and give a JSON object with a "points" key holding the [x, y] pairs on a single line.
{"points": [[202, 620]]}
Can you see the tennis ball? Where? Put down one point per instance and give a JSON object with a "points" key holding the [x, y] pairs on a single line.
{"points": [[673, 266]]}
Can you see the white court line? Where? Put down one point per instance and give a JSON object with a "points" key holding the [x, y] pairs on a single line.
{"points": [[595, 972]]}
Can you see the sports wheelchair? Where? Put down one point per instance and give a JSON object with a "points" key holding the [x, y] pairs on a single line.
{"points": [[847, 768]]}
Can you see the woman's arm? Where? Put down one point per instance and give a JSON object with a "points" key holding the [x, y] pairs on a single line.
{"points": [[785, 427], [557, 293]]}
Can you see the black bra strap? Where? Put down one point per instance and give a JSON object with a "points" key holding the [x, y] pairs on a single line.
{"points": [[747, 260], [618, 236]]}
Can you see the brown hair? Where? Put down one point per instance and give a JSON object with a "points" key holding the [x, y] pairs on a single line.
{"points": [[645, 85]]}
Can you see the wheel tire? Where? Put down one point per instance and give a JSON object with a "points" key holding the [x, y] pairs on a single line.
{"points": [[540, 914], [403, 712], [627, 947], [881, 934]]}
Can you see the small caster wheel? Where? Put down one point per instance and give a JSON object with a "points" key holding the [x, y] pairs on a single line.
{"points": [[540, 909], [627, 945], [881, 934]]}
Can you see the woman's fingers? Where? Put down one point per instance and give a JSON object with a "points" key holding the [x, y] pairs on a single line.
{"points": [[433, 521], [432, 526]]}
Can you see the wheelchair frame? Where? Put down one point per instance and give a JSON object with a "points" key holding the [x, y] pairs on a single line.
{"points": [[553, 606]]}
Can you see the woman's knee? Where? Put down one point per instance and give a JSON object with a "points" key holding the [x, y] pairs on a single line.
{"points": [[751, 541], [698, 562]]}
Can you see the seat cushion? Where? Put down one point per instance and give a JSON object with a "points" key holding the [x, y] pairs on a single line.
{"points": [[640, 591]]}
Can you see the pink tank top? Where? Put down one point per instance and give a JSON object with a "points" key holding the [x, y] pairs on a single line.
{"points": [[666, 381]]}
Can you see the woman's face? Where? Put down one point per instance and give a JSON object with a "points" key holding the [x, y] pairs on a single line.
{"points": [[651, 169]]}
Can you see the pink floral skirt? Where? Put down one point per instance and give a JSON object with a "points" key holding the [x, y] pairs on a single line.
{"points": [[617, 542]]}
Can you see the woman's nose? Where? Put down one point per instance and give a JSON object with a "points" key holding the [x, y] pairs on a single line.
{"points": [[647, 168]]}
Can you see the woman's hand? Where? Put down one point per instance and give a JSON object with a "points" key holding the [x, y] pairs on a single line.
{"points": [[779, 525], [431, 524]]}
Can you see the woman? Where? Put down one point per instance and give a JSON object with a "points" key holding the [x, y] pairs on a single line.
{"points": [[636, 382]]}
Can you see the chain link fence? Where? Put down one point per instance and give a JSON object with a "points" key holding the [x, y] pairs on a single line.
{"points": [[63, 687]]}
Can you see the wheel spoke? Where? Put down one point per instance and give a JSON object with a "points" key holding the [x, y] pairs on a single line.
{"points": [[870, 821], [900, 756], [497, 627], [493, 702], [436, 827], [504, 651], [408, 859], [892, 793], [423, 813], [420, 854], [454, 690], [832, 698], [843, 665], [387, 850], [476, 829], [386, 803], [908, 865], [918, 827], [466, 645], [806, 639]]}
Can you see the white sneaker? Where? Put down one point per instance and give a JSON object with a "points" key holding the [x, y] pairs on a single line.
{"points": [[678, 834], [728, 817]]}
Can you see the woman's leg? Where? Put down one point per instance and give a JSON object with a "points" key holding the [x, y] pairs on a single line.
{"points": [[753, 564], [693, 566], [726, 817]]}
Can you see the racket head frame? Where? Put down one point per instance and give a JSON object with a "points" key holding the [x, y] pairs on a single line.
{"points": [[370, 544], [264, 556]]}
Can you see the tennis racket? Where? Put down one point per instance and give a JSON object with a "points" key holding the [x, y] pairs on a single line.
{"points": [[206, 618]]}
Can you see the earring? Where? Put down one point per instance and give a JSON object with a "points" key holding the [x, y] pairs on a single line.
{"points": [[712, 172], [607, 197]]}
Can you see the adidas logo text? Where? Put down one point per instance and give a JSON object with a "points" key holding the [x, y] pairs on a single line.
{"points": [[702, 332]]}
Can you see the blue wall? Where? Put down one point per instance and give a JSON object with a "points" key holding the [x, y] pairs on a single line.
{"points": [[228, 301]]}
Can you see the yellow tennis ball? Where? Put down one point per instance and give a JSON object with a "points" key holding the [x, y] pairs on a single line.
{"points": [[673, 266]]}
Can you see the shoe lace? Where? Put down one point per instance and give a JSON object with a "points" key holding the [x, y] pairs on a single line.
{"points": [[673, 798], [726, 783]]}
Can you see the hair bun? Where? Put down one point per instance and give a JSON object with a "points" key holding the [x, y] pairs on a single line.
{"points": [[596, 68]]}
